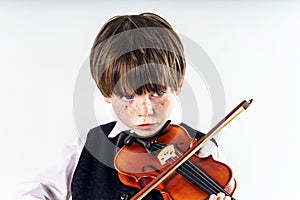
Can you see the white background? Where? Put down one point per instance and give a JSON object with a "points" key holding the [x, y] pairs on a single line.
{"points": [[254, 45]]}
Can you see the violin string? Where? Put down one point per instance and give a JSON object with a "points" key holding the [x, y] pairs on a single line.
{"points": [[207, 181], [198, 182], [204, 180], [199, 178]]}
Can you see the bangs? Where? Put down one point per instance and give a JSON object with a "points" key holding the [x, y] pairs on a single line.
{"points": [[133, 77]]}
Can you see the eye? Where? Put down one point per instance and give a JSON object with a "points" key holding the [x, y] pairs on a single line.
{"points": [[158, 94], [127, 97]]}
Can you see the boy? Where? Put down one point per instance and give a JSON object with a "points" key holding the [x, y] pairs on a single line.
{"points": [[138, 64]]}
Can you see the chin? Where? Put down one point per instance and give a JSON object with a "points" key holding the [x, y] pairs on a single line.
{"points": [[146, 133]]}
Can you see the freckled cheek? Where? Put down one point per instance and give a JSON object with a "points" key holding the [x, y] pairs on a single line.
{"points": [[125, 111], [122, 113], [164, 105], [120, 109], [132, 111]]}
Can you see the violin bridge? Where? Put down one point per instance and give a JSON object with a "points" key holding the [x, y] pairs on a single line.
{"points": [[166, 153]]}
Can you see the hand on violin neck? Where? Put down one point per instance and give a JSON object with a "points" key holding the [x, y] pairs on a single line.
{"points": [[220, 196]]}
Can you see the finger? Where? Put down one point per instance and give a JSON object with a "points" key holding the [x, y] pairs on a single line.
{"points": [[212, 197], [227, 198], [220, 196]]}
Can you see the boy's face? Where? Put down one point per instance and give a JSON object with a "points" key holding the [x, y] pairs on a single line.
{"points": [[144, 114]]}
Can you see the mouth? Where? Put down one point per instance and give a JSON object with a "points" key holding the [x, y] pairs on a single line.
{"points": [[145, 126]]}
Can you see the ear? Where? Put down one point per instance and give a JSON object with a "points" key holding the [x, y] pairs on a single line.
{"points": [[107, 99], [180, 86]]}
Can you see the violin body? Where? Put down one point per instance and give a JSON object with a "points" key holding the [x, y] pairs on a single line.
{"points": [[137, 168]]}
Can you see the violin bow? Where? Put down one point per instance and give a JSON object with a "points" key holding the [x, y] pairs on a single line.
{"points": [[191, 151]]}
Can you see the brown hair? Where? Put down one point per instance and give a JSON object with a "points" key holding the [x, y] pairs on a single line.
{"points": [[135, 54]]}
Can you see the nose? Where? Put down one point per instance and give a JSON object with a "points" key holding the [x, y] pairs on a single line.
{"points": [[143, 106]]}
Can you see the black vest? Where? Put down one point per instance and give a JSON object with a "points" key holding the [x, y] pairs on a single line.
{"points": [[93, 179]]}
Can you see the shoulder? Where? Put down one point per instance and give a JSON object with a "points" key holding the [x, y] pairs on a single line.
{"points": [[100, 132], [192, 132], [195, 133], [98, 147], [97, 138], [102, 129]]}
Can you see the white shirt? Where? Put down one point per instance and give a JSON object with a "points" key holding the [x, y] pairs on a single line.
{"points": [[55, 183]]}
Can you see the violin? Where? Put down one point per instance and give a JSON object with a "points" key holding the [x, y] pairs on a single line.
{"points": [[170, 163]]}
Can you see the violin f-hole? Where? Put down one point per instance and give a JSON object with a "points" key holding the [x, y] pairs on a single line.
{"points": [[144, 168]]}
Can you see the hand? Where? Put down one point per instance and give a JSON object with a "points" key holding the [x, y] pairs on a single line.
{"points": [[220, 196]]}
